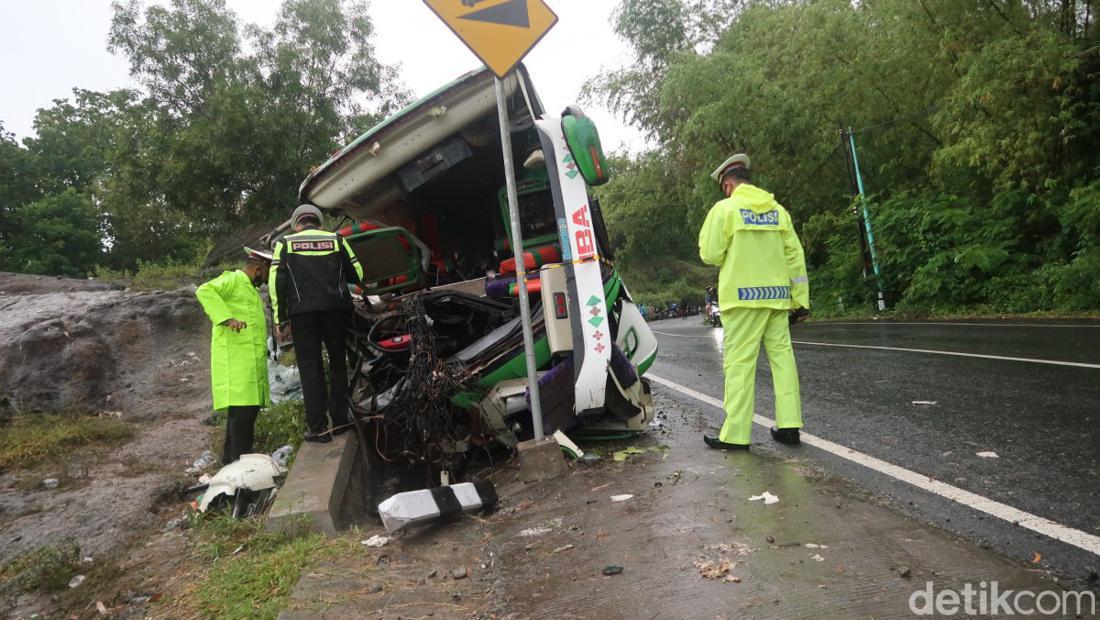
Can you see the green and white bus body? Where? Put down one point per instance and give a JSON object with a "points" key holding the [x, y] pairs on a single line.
{"points": [[424, 192]]}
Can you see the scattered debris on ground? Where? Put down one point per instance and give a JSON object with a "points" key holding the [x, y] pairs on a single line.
{"points": [[377, 541], [766, 496]]}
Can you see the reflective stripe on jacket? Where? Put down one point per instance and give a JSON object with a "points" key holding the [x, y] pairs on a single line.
{"points": [[751, 237], [310, 271], [238, 360]]}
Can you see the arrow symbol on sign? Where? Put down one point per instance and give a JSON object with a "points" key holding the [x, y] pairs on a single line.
{"points": [[511, 13]]}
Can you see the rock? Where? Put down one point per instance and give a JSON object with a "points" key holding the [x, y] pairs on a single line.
{"points": [[770, 539], [905, 572], [612, 569], [460, 573], [76, 581], [50, 483]]}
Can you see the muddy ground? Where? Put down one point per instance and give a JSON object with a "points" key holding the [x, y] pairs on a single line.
{"points": [[84, 347]]}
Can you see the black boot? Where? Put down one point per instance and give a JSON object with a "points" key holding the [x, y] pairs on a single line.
{"points": [[322, 437], [713, 442], [789, 436]]}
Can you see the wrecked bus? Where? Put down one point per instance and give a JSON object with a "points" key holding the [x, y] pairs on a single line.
{"points": [[437, 337]]}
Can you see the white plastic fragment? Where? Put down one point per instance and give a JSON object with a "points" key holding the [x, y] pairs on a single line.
{"points": [[925, 402], [254, 472], [766, 496], [76, 581], [817, 557], [988, 454], [534, 531], [282, 455], [570, 448], [621, 498], [377, 541]]}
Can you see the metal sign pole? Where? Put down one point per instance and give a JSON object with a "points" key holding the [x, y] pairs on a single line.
{"points": [[521, 268]]}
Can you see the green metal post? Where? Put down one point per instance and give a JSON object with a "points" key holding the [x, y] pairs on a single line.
{"points": [[867, 221]]}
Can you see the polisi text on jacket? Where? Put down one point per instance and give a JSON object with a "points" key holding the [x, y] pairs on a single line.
{"points": [[752, 218], [328, 245]]}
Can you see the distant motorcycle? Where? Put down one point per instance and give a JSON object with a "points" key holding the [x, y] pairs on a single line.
{"points": [[714, 316]]}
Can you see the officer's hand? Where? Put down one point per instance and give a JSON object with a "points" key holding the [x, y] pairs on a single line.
{"points": [[281, 332], [234, 324], [799, 315]]}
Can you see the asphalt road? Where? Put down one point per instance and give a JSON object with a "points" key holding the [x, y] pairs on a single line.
{"points": [[1042, 419]]}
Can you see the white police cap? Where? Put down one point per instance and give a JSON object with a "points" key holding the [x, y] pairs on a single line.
{"points": [[739, 160]]}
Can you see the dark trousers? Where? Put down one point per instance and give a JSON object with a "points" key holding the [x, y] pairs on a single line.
{"points": [[240, 428], [311, 331]]}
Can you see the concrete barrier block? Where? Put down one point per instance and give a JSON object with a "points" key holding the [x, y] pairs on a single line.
{"points": [[314, 491], [540, 459]]}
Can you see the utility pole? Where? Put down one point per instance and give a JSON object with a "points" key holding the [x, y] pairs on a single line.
{"points": [[864, 254], [866, 221]]}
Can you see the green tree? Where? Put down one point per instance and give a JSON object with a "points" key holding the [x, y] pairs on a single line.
{"points": [[240, 115], [976, 124], [18, 186], [57, 235]]}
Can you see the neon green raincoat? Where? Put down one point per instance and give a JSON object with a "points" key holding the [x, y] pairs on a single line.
{"points": [[238, 360], [751, 237]]}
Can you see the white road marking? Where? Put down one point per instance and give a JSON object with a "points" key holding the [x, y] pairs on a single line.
{"points": [[1032, 360], [1035, 523], [677, 335], [953, 324]]}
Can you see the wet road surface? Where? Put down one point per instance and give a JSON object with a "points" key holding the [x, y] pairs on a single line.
{"points": [[1041, 419]]}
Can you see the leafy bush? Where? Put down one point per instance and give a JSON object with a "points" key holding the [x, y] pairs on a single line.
{"points": [[942, 253], [665, 279], [166, 275], [280, 425]]}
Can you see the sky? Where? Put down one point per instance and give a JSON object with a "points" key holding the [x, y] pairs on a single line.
{"points": [[48, 47]]}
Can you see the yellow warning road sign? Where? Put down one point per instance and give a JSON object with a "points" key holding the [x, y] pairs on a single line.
{"points": [[499, 32]]}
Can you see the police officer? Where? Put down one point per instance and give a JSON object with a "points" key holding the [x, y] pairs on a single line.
{"points": [[238, 350], [763, 277], [308, 282]]}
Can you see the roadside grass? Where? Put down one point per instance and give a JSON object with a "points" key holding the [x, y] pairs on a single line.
{"points": [[49, 569], [250, 572], [31, 439]]}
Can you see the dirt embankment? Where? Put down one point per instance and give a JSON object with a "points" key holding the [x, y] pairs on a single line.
{"points": [[72, 347], [84, 348]]}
